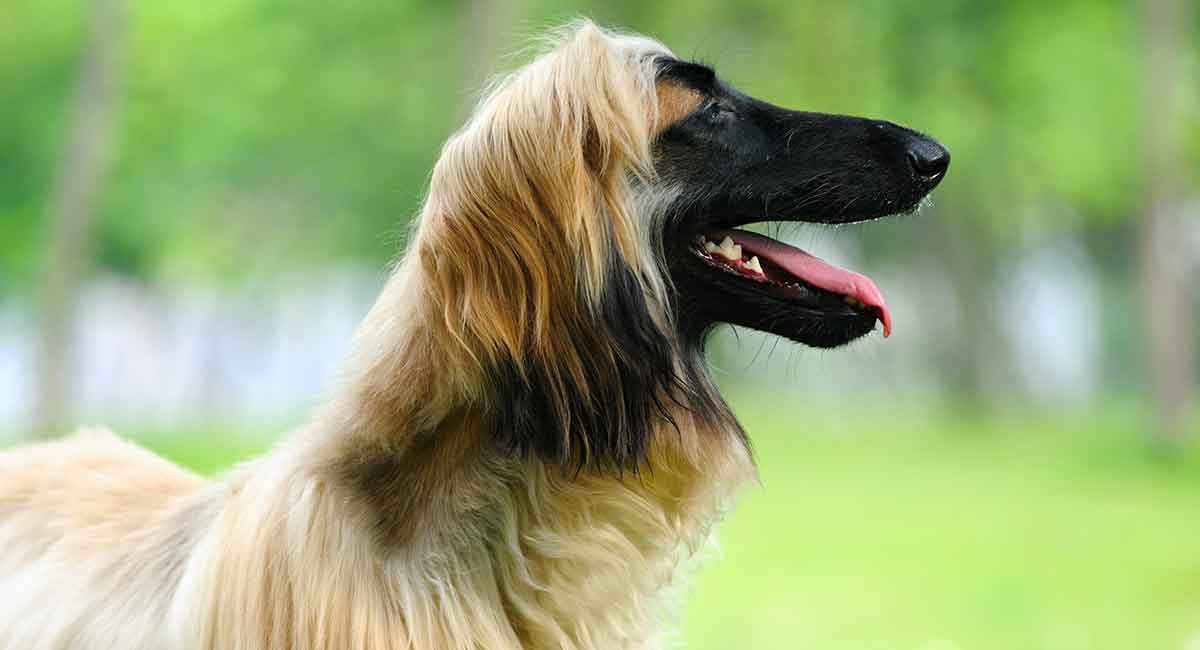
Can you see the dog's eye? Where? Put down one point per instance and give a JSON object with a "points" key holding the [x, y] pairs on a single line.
{"points": [[717, 110]]}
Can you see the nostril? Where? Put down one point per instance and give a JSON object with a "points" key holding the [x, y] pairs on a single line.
{"points": [[915, 162], [928, 158]]}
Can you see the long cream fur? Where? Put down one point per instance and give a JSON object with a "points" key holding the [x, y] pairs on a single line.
{"points": [[390, 522]]}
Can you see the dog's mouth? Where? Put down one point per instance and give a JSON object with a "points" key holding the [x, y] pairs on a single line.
{"points": [[745, 278], [789, 272]]}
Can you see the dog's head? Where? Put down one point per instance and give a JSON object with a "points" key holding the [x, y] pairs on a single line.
{"points": [[726, 159], [580, 237]]}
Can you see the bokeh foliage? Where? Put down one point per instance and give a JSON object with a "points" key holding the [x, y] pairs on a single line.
{"points": [[289, 133]]}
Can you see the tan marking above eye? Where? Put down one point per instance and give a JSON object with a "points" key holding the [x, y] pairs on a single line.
{"points": [[675, 102]]}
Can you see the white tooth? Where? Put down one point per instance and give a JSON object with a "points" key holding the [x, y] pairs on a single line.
{"points": [[754, 264], [710, 247], [730, 250]]}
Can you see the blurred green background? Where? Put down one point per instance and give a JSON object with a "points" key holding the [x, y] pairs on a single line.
{"points": [[198, 201]]}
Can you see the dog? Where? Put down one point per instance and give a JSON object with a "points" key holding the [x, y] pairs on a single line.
{"points": [[526, 444]]}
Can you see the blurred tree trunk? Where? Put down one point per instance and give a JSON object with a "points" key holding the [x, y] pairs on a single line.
{"points": [[485, 28], [78, 181], [1170, 328], [976, 357]]}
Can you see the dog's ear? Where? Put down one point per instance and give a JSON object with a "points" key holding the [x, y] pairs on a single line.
{"points": [[591, 397], [536, 263]]}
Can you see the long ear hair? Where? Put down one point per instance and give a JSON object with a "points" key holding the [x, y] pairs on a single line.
{"points": [[535, 262]]}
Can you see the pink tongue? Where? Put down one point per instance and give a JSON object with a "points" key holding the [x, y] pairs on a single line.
{"points": [[813, 270]]}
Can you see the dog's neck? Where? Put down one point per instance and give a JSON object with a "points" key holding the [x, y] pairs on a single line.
{"points": [[575, 553]]}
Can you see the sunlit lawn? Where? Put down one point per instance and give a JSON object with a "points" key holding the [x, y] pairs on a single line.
{"points": [[935, 532]]}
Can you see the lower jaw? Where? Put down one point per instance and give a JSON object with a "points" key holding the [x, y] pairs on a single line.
{"points": [[819, 335], [700, 317]]}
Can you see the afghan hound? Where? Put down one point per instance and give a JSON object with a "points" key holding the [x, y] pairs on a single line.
{"points": [[526, 444]]}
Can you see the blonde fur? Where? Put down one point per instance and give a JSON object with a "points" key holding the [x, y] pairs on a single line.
{"points": [[393, 521]]}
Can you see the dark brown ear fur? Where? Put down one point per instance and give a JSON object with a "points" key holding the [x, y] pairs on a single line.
{"points": [[598, 409]]}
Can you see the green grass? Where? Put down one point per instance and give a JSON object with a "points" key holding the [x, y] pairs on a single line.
{"points": [[920, 531], [927, 530]]}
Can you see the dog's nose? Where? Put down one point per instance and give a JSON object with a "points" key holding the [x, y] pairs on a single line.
{"points": [[929, 159]]}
